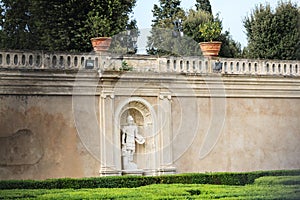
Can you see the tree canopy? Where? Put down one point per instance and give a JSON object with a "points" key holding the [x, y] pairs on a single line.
{"points": [[165, 34], [68, 25], [182, 38], [273, 34], [60, 25], [203, 5], [193, 22]]}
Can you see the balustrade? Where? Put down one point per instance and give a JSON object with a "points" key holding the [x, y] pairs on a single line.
{"points": [[192, 65], [40, 60]]}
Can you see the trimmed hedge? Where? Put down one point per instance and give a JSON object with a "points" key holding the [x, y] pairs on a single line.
{"points": [[278, 180], [223, 178]]}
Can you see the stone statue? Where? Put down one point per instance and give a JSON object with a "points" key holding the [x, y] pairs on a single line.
{"points": [[129, 137]]}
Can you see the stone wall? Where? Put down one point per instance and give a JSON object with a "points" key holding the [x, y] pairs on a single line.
{"points": [[38, 139], [66, 123], [257, 134]]}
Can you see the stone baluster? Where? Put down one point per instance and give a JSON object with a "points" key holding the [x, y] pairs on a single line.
{"points": [[246, 70], [293, 70], [225, 67], [168, 67], [232, 67], [267, 68], [276, 71], [193, 66], [237, 67], [163, 65], [290, 69], [260, 67], [250, 67], [199, 66], [181, 66], [273, 69], [256, 68], [7, 60], [175, 65], [206, 66], [1, 59], [187, 66]]}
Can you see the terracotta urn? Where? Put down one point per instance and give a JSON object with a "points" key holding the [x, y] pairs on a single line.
{"points": [[101, 44], [210, 48]]}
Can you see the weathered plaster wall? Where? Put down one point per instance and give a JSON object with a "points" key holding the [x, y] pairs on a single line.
{"points": [[258, 134], [39, 136], [38, 139]]}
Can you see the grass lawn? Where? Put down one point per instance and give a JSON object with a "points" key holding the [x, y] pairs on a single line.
{"points": [[279, 187]]}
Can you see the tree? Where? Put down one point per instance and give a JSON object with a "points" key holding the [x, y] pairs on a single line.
{"points": [[125, 42], [273, 34], [166, 13], [193, 22], [192, 26], [167, 38], [107, 18], [55, 24], [1, 22], [59, 25], [15, 27], [229, 48], [166, 30], [47, 25], [203, 5]]}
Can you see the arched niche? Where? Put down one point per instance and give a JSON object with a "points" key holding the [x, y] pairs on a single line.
{"points": [[144, 117]]}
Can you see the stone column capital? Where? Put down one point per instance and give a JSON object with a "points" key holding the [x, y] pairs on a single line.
{"points": [[105, 94], [165, 95]]}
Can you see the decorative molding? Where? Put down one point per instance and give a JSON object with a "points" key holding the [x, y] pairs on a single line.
{"points": [[104, 95], [45, 82], [165, 95], [107, 171]]}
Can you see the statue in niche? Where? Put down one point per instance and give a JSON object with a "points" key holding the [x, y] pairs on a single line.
{"points": [[129, 137]]}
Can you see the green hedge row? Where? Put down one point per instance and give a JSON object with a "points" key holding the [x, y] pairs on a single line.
{"points": [[223, 178]]}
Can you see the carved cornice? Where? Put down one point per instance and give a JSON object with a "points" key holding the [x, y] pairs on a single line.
{"points": [[47, 82]]}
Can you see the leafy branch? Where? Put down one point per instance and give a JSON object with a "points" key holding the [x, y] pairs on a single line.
{"points": [[210, 30]]}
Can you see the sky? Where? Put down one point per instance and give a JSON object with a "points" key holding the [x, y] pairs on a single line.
{"points": [[231, 12]]}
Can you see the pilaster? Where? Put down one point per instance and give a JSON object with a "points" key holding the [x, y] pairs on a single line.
{"points": [[107, 165], [165, 124]]}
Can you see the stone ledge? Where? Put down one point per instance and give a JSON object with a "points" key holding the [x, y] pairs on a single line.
{"points": [[133, 172], [45, 82]]}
